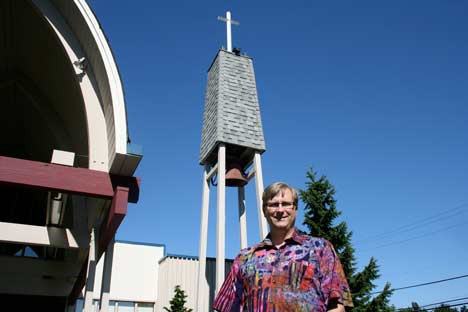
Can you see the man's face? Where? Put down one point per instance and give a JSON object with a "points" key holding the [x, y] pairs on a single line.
{"points": [[280, 211]]}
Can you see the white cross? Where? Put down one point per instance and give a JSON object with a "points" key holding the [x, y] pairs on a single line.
{"points": [[228, 21]]}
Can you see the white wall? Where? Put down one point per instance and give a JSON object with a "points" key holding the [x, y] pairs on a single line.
{"points": [[134, 272]]}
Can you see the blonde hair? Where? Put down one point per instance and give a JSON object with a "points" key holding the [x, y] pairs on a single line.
{"points": [[278, 187]]}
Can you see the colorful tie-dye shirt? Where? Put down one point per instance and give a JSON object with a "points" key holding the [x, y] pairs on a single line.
{"points": [[304, 274]]}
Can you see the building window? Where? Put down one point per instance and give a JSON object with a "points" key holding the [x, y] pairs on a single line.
{"points": [[145, 307], [96, 305], [79, 305], [112, 306], [125, 306], [118, 306]]}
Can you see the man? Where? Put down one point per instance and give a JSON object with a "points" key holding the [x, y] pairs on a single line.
{"points": [[288, 271]]}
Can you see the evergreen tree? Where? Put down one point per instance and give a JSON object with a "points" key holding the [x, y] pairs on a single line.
{"points": [[414, 308], [445, 308], [320, 219], [178, 301]]}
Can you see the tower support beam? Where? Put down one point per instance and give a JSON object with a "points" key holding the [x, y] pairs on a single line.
{"points": [[221, 217], [242, 217], [202, 286], [262, 223], [91, 273], [106, 277]]}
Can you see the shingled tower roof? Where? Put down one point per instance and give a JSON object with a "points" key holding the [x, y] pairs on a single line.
{"points": [[232, 113]]}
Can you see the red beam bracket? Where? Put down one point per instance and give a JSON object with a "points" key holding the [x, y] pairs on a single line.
{"points": [[117, 213]]}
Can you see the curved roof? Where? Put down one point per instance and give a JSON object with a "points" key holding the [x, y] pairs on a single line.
{"points": [[60, 89], [91, 61], [94, 43]]}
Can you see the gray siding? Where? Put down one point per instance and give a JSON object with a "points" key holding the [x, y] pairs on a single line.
{"points": [[232, 113], [183, 271]]}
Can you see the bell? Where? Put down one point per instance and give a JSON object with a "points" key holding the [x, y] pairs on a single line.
{"points": [[235, 176]]}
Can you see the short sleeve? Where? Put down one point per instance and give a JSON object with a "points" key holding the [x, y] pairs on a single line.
{"points": [[334, 283], [229, 297]]}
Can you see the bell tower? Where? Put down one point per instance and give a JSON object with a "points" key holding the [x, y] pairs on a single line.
{"points": [[231, 148]]}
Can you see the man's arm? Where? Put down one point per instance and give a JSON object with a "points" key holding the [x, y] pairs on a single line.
{"points": [[229, 296], [334, 283]]}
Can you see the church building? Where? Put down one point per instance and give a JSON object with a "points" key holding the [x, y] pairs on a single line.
{"points": [[66, 166]]}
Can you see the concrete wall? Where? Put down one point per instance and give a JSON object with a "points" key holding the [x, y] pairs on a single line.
{"points": [[141, 273], [134, 272]]}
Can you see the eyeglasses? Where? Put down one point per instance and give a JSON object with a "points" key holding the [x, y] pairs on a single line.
{"points": [[276, 205]]}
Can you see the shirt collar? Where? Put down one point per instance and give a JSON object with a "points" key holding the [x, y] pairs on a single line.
{"points": [[298, 237]]}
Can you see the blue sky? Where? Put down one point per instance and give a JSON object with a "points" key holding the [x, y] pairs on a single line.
{"points": [[372, 94]]}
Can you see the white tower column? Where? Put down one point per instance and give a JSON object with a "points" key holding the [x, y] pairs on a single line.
{"points": [[242, 217], [221, 217], [202, 286], [262, 222], [106, 277], [91, 273]]}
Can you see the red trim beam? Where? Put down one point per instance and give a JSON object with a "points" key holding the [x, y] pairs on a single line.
{"points": [[52, 177], [117, 213], [80, 181]]}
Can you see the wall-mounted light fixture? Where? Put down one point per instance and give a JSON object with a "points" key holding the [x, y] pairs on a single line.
{"points": [[56, 208], [56, 201]]}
